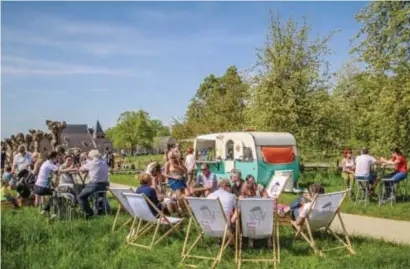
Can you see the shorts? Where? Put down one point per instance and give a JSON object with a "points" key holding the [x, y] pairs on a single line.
{"points": [[371, 178], [175, 184]]}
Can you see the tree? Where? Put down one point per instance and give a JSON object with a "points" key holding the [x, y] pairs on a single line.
{"points": [[387, 33], [160, 129], [134, 128], [291, 82], [218, 104]]}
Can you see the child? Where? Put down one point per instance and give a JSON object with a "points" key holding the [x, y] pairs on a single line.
{"points": [[298, 210], [8, 177], [5, 194]]}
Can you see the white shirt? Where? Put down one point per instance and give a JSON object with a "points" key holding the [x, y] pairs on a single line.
{"points": [[190, 162], [227, 200], [97, 171], [45, 170], [207, 181], [363, 165], [304, 210], [22, 162]]}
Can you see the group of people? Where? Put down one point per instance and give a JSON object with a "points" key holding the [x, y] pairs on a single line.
{"points": [[360, 168], [32, 177], [181, 177]]}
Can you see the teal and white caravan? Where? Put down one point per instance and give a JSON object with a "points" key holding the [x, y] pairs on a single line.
{"points": [[261, 154]]}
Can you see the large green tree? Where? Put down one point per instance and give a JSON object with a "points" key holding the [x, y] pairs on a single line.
{"points": [[386, 36], [218, 104], [134, 128], [291, 85], [160, 129]]}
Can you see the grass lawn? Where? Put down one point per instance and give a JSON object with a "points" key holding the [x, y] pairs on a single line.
{"points": [[28, 240], [332, 182]]}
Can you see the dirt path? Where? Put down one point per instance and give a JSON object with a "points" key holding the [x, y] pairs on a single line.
{"points": [[385, 229]]}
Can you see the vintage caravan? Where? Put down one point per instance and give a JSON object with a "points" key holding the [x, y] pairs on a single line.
{"points": [[261, 154]]}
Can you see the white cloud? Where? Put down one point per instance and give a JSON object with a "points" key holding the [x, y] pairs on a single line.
{"points": [[14, 65]]}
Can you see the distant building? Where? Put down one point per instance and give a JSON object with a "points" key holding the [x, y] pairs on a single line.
{"points": [[84, 138]]}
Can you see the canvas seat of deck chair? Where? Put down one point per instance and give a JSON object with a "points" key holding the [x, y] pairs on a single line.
{"points": [[321, 214], [141, 212], [123, 205], [257, 220], [209, 218]]}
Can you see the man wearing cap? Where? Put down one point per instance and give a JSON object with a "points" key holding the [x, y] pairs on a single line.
{"points": [[226, 198]]}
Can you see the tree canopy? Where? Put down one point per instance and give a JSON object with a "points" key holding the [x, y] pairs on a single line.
{"points": [[291, 89]]}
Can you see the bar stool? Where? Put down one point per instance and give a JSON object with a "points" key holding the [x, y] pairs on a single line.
{"points": [[387, 193], [402, 188], [95, 200], [363, 189], [43, 200]]}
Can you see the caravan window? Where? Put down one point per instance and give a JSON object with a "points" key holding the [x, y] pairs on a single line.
{"points": [[277, 155], [229, 149]]}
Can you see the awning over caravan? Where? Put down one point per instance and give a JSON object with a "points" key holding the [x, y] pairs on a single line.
{"points": [[273, 139]]}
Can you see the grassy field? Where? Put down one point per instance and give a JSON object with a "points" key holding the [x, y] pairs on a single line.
{"points": [[30, 241], [332, 182]]}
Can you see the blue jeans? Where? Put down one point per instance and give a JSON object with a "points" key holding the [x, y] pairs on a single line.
{"points": [[87, 192], [396, 178], [294, 208], [371, 178]]}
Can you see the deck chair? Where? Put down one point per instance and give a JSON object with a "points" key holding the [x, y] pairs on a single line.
{"points": [[123, 205], [276, 185], [321, 214], [142, 213], [257, 220], [209, 218]]}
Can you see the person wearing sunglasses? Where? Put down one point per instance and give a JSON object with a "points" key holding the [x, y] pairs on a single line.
{"points": [[206, 182]]}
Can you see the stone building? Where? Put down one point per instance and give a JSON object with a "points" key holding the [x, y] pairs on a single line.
{"points": [[84, 138]]}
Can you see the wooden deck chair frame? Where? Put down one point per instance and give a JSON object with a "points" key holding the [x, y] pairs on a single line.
{"points": [[275, 240], [142, 229], [186, 250], [120, 207], [308, 237]]}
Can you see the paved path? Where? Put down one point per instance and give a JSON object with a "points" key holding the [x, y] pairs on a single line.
{"points": [[385, 229]]}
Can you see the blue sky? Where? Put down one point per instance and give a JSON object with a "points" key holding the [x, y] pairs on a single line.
{"points": [[83, 61]]}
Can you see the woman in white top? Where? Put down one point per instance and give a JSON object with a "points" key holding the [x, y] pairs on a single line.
{"points": [[43, 183], [348, 168]]}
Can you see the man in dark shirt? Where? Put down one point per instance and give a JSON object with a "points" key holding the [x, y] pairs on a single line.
{"points": [[237, 182], [145, 188]]}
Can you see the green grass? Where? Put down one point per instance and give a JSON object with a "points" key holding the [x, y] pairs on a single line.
{"points": [[332, 182], [140, 162], [29, 241]]}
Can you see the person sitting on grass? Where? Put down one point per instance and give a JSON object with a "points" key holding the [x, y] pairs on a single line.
{"points": [[5, 194], [299, 209], [400, 171], [145, 188], [363, 171], [206, 182], [8, 177]]}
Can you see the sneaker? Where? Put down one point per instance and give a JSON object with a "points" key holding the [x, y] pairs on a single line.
{"points": [[53, 216], [43, 212]]}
